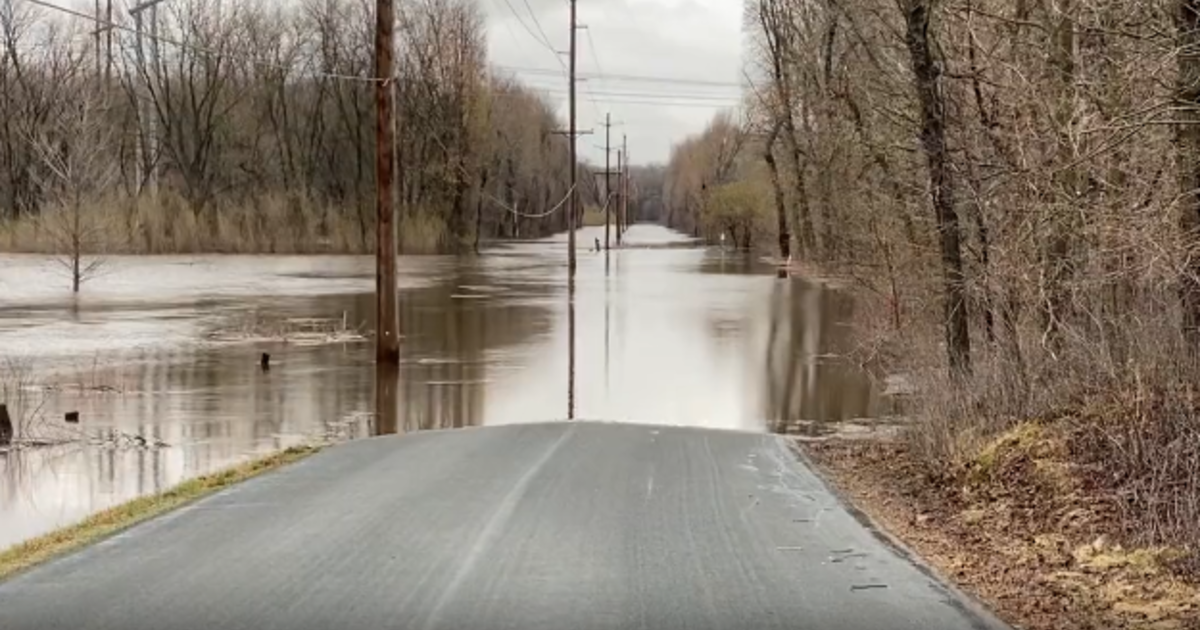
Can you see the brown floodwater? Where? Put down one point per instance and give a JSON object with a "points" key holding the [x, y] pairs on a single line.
{"points": [[153, 358]]}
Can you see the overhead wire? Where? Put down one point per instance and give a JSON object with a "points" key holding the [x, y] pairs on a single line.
{"points": [[192, 47], [624, 77], [513, 35], [543, 39]]}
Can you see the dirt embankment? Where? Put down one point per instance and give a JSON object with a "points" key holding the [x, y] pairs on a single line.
{"points": [[1030, 524]]}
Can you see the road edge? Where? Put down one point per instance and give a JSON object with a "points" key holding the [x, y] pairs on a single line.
{"points": [[27, 555], [972, 603]]}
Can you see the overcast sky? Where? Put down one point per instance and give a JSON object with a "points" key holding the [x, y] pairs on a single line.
{"points": [[696, 40]]}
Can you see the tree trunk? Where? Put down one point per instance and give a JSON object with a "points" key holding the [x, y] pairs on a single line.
{"points": [[1058, 266], [927, 77], [483, 182], [785, 238], [6, 426], [1187, 137]]}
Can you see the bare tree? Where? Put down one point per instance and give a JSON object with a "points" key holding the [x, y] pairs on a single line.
{"points": [[79, 170]]}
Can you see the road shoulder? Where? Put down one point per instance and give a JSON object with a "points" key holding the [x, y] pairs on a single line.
{"points": [[1031, 574], [36, 551]]}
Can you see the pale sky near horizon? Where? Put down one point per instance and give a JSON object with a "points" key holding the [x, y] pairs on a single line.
{"points": [[690, 40]]}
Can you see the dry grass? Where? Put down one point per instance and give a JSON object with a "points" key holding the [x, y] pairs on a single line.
{"points": [[593, 217], [1136, 423], [1033, 555], [121, 517], [420, 233], [267, 224], [23, 395], [1062, 483]]}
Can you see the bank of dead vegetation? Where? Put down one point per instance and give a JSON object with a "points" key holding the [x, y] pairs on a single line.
{"points": [[1012, 189], [249, 127]]}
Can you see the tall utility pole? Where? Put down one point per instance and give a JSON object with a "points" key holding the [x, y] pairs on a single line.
{"points": [[621, 189], [387, 337], [98, 33], [146, 118], [108, 41], [608, 211], [104, 27], [624, 225], [571, 206]]}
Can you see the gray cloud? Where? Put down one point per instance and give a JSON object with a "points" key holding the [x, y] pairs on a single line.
{"points": [[683, 39]]}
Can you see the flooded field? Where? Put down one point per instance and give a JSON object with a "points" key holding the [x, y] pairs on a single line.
{"points": [[160, 356]]}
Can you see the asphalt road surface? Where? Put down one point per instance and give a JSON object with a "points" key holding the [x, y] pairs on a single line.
{"points": [[528, 527]]}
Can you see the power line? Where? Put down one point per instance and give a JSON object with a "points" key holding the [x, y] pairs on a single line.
{"points": [[513, 35], [538, 24], [595, 57], [544, 40], [634, 91], [699, 105], [629, 78], [192, 47], [646, 95], [625, 77]]}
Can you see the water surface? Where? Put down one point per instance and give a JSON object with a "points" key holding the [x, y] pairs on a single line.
{"points": [[663, 333]]}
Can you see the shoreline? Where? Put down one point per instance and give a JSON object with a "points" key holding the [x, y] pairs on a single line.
{"points": [[112, 521]]}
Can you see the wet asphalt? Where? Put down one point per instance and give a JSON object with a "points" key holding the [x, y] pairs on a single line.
{"points": [[551, 526]]}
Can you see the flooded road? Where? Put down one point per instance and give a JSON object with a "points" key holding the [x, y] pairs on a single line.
{"points": [[161, 357]]}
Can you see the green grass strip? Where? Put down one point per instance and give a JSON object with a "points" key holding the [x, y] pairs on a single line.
{"points": [[115, 519]]}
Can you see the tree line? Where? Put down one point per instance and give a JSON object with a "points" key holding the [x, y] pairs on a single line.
{"points": [[248, 125], [1015, 183]]}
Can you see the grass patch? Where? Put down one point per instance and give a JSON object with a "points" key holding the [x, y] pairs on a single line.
{"points": [[113, 520], [594, 217]]}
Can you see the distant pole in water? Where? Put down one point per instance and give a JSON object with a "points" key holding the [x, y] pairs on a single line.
{"points": [[387, 337], [608, 210], [620, 191], [571, 348], [623, 220], [572, 206]]}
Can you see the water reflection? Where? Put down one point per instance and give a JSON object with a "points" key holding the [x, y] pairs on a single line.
{"points": [[387, 381], [648, 333], [808, 379], [571, 346]]}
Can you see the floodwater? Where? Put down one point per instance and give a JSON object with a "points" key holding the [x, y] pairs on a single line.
{"points": [[159, 359]]}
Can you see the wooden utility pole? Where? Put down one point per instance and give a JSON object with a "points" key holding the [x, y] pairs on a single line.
{"points": [[607, 186], [99, 31], [387, 337], [574, 194], [104, 54], [148, 144], [624, 189], [620, 190]]}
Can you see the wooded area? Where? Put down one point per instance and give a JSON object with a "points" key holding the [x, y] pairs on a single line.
{"points": [[1015, 188], [249, 127]]}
